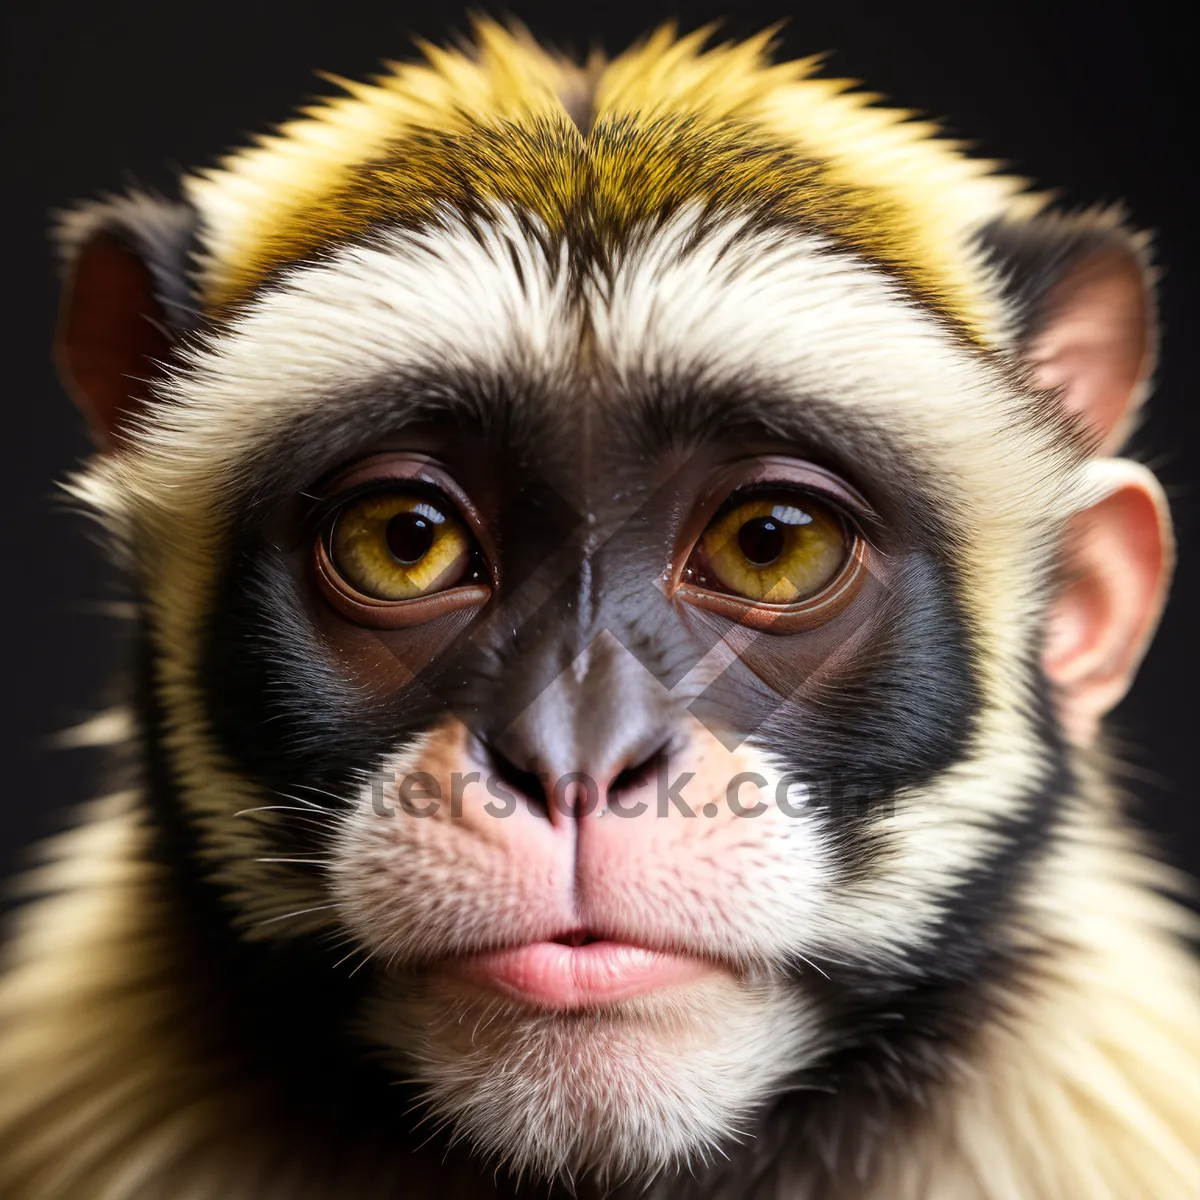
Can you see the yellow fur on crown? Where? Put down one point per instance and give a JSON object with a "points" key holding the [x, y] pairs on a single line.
{"points": [[889, 184]]}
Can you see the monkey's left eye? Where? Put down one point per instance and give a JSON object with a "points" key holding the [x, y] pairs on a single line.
{"points": [[774, 554]]}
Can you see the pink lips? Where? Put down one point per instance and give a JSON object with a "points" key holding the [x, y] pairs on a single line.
{"points": [[587, 975]]}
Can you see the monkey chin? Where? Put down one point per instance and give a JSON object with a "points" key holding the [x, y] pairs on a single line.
{"points": [[619, 1091]]}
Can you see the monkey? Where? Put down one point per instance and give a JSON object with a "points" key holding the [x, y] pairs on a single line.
{"points": [[631, 563]]}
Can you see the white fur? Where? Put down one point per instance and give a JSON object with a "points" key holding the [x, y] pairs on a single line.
{"points": [[626, 1093]]}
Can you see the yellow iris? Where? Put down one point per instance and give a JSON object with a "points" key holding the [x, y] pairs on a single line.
{"points": [[774, 550], [398, 546]]}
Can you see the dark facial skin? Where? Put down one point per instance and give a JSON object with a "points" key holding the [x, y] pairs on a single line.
{"points": [[581, 528]]}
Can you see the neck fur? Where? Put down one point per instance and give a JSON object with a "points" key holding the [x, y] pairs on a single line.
{"points": [[122, 1080]]}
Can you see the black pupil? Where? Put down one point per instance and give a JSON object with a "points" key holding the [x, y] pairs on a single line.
{"points": [[409, 536], [761, 540]]}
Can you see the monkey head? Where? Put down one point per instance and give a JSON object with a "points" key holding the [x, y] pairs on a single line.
{"points": [[631, 561]]}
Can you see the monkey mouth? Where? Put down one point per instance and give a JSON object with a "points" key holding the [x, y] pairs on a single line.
{"points": [[577, 970], [577, 937]]}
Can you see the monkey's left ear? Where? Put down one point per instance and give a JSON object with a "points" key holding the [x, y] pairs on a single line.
{"points": [[1081, 291], [125, 303], [1082, 295]]}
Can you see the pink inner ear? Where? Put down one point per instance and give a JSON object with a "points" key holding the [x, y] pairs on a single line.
{"points": [[1096, 343], [1119, 557], [110, 336]]}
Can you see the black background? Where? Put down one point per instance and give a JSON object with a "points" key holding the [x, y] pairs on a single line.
{"points": [[102, 93]]}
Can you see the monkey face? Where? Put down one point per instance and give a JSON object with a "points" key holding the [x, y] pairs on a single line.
{"points": [[604, 665], [610, 640]]}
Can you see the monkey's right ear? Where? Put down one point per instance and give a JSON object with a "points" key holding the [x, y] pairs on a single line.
{"points": [[125, 303]]}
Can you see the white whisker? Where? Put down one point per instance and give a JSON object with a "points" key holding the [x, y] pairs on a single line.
{"points": [[303, 862], [810, 962], [300, 912]]}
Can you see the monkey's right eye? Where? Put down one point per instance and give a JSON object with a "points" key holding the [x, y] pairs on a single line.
{"points": [[386, 550], [399, 546]]}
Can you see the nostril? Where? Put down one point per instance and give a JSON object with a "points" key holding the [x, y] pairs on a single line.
{"points": [[526, 783], [574, 794], [639, 774]]}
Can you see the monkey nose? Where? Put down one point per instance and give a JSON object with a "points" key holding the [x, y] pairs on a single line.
{"points": [[585, 739], [577, 786]]}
